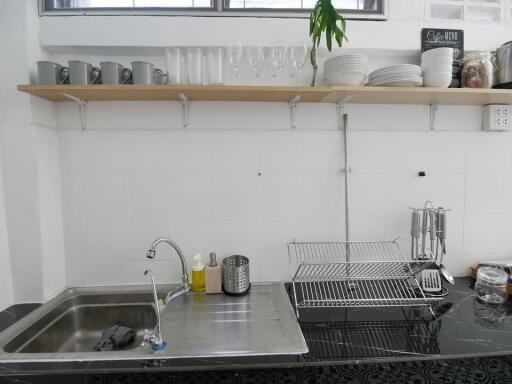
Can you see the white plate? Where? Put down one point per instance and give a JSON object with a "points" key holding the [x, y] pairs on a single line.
{"points": [[346, 78], [405, 69], [348, 57], [395, 80], [398, 83], [346, 67]]}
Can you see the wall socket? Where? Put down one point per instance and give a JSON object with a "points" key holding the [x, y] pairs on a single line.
{"points": [[497, 117]]}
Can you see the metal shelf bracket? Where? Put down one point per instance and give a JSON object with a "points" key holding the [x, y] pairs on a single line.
{"points": [[434, 107], [185, 109], [292, 105], [433, 113], [340, 110], [82, 109]]}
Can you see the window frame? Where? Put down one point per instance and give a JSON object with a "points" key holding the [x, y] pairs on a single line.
{"points": [[218, 10]]}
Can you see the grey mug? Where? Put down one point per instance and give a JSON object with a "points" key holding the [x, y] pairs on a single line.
{"points": [[81, 72], [146, 73], [114, 73], [50, 73]]}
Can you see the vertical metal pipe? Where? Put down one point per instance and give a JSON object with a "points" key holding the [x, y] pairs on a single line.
{"points": [[346, 171]]}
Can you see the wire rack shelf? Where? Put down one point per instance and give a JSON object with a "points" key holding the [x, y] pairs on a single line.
{"points": [[354, 274]]}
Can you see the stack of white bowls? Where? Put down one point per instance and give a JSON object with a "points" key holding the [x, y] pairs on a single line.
{"points": [[437, 66], [348, 69], [400, 75]]}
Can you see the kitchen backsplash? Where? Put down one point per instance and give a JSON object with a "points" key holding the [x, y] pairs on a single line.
{"points": [[240, 181]]}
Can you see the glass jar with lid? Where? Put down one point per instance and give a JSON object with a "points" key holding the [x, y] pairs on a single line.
{"points": [[478, 70], [491, 285]]}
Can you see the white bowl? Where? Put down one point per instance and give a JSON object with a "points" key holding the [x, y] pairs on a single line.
{"points": [[437, 53], [436, 61], [437, 69], [439, 80], [346, 78]]}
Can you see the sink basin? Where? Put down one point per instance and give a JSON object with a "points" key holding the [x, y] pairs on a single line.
{"points": [[66, 328], [76, 324]]}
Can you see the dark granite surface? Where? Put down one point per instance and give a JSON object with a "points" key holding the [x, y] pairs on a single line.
{"points": [[467, 342], [14, 313]]}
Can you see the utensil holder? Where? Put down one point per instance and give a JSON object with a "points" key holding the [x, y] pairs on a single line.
{"points": [[235, 275]]}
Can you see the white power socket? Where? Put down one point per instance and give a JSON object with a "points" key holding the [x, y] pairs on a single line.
{"points": [[497, 117]]}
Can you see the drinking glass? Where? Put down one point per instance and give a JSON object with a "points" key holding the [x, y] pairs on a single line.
{"points": [[234, 53], [298, 54], [215, 65], [256, 56], [277, 58], [195, 66], [175, 66]]}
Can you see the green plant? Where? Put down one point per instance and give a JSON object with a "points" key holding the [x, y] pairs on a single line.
{"points": [[325, 18]]}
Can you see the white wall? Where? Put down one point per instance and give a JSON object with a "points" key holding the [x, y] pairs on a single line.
{"points": [[238, 180], [6, 295], [30, 179]]}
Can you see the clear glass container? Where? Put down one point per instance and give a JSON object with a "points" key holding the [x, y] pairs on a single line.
{"points": [[479, 70], [491, 285], [215, 64], [195, 66]]}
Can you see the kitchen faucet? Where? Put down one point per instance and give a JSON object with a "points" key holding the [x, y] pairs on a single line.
{"points": [[151, 253], [155, 337]]}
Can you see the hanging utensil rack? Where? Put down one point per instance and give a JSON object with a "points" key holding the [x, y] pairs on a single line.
{"points": [[354, 274]]}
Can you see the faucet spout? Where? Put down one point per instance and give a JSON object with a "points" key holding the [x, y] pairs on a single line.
{"points": [[151, 253], [155, 337]]}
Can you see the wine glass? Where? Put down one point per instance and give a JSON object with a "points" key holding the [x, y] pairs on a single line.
{"points": [[298, 53], [277, 58], [256, 56], [234, 51]]}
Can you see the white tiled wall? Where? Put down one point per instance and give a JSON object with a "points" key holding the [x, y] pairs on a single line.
{"points": [[256, 184]]}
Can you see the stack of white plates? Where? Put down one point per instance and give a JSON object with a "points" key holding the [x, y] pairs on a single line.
{"points": [[437, 65], [401, 75], [346, 70]]}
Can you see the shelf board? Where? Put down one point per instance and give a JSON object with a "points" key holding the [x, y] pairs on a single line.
{"points": [[359, 95]]}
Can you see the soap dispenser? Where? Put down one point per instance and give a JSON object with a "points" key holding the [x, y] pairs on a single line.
{"points": [[213, 275], [198, 275]]}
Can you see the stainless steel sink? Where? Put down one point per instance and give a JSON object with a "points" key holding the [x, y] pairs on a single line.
{"points": [[76, 325], [194, 325]]}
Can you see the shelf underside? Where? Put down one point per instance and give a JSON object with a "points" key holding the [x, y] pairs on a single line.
{"points": [[360, 293], [358, 95]]}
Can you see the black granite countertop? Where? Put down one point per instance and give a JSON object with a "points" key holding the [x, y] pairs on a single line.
{"points": [[465, 333], [462, 327]]}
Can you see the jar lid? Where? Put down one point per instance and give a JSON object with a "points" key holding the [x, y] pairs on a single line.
{"points": [[478, 56], [492, 276]]}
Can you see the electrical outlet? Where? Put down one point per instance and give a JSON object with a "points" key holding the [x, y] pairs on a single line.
{"points": [[497, 118]]}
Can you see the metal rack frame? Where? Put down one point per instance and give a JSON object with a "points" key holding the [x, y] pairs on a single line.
{"points": [[354, 274]]}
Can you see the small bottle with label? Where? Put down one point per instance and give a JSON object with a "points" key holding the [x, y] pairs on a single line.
{"points": [[213, 275], [198, 275]]}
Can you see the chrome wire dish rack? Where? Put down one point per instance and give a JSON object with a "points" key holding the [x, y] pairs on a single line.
{"points": [[354, 274]]}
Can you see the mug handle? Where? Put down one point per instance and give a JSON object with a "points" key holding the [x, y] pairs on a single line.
{"points": [[95, 75], [126, 76], [158, 76], [64, 75]]}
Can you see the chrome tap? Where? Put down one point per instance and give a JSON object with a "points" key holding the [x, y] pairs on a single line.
{"points": [[154, 337], [151, 253]]}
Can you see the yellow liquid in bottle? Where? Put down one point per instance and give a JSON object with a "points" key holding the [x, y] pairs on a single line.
{"points": [[199, 281]]}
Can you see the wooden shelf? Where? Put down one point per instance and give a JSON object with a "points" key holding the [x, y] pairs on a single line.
{"points": [[359, 95]]}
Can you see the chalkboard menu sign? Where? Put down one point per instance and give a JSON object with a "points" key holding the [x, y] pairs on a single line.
{"points": [[454, 38]]}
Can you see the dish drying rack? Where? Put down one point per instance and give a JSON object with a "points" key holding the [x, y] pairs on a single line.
{"points": [[355, 274]]}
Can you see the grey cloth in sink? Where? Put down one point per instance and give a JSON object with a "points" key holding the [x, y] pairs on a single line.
{"points": [[114, 337]]}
